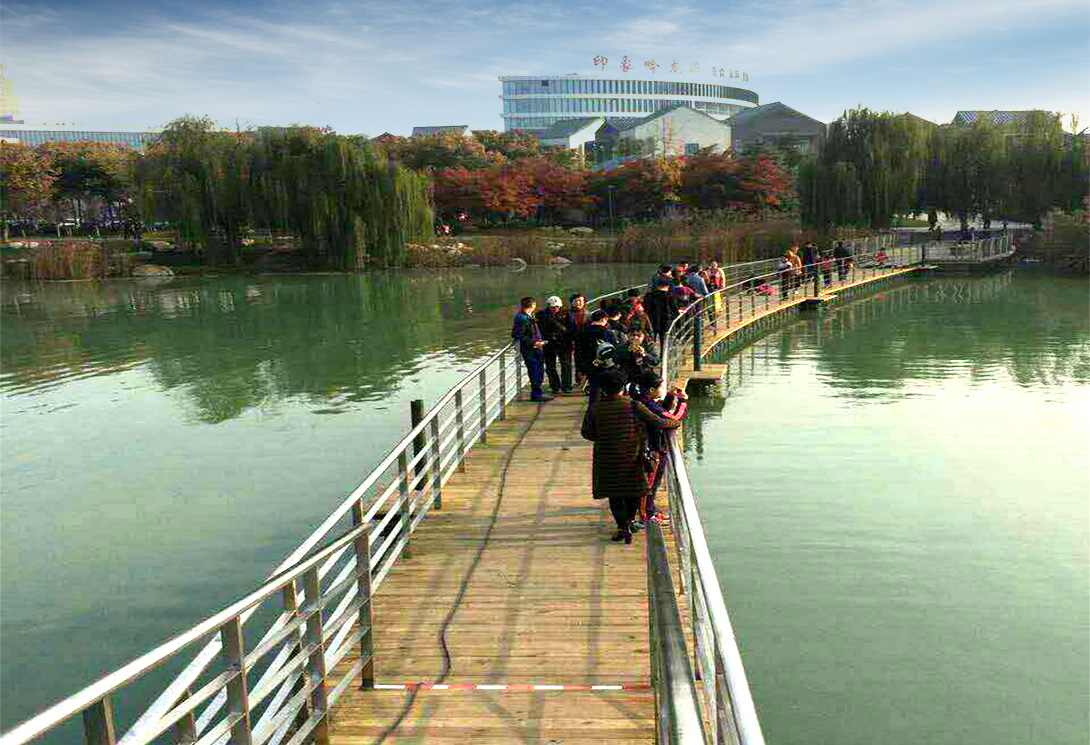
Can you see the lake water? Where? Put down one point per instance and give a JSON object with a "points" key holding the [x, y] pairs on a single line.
{"points": [[896, 496], [164, 446]]}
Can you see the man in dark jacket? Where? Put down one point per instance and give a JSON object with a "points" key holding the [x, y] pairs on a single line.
{"points": [[526, 333], [809, 260], [553, 322], [843, 257], [661, 308]]}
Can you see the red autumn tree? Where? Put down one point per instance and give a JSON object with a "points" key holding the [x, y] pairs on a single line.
{"points": [[26, 183], [640, 189]]}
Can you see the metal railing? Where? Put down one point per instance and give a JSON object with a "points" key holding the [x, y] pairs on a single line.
{"points": [[318, 598], [718, 686], [989, 249], [762, 294]]}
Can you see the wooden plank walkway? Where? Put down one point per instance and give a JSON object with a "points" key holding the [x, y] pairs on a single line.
{"points": [[547, 599], [551, 600]]}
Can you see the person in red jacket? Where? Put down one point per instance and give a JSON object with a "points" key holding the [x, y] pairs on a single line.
{"points": [[673, 407]]}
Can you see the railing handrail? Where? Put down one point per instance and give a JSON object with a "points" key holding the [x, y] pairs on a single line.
{"points": [[745, 714], [104, 686], [286, 572]]}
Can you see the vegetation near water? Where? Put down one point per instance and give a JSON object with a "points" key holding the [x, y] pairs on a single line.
{"points": [[313, 199]]}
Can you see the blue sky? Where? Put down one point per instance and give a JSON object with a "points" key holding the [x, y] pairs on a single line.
{"points": [[370, 67]]}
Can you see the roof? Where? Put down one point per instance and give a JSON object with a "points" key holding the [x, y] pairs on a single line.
{"points": [[633, 123], [441, 129], [919, 119], [768, 108], [994, 117], [621, 123], [567, 127]]}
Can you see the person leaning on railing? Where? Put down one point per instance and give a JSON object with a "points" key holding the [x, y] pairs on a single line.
{"points": [[673, 406]]}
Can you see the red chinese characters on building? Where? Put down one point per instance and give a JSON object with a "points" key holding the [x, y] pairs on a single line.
{"points": [[651, 65], [626, 64], [601, 61], [673, 67]]}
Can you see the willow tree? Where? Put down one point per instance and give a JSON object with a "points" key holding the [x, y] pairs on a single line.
{"points": [[195, 177], [346, 201], [886, 155]]}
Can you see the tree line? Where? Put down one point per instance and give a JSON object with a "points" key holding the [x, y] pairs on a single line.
{"points": [[874, 166], [351, 201]]}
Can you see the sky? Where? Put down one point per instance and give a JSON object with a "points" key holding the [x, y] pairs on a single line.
{"points": [[372, 67]]}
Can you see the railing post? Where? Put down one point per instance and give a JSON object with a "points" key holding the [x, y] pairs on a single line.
{"points": [[363, 590], [98, 724], [484, 406], [416, 415], [185, 731], [238, 701], [503, 384], [436, 466], [316, 670], [460, 424], [698, 341], [403, 492], [518, 375]]}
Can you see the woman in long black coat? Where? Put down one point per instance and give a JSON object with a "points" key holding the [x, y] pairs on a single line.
{"points": [[616, 425]]}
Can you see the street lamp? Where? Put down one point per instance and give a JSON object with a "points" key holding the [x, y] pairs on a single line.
{"points": [[612, 220]]}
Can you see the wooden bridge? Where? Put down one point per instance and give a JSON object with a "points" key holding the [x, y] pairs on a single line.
{"points": [[467, 591]]}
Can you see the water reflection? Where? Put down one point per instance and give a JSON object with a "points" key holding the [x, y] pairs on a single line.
{"points": [[883, 347], [233, 344]]}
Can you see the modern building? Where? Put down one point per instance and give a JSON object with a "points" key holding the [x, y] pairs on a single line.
{"points": [[776, 124], [461, 130], [9, 104], [34, 137], [535, 103]]}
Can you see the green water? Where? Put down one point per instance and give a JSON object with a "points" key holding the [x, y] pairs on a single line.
{"points": [[896, 497], [164, 446]]}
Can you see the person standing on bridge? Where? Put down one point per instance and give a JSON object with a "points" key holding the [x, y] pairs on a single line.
{"points": [[617, 426], [525, 331], [673, 406], [553, 322], [661, 309], [843, 258]]}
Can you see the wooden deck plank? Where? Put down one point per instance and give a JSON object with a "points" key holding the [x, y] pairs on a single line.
{"points": [[551, 600]]}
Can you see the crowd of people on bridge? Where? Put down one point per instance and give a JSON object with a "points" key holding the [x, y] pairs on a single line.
{"points": [[612, 355]]}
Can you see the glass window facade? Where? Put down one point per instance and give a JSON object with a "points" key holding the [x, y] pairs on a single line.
{"points": [[542, 102], [35, 137]]}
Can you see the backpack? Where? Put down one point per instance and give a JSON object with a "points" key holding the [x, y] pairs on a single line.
{"points": [[604, 355]]}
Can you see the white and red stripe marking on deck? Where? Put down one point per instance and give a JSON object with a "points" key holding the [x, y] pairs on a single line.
{"points": [[507, 687]]}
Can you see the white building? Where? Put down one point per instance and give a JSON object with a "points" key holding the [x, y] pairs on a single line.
{"points": [[571, 134], [679, 130], [536, 103]]}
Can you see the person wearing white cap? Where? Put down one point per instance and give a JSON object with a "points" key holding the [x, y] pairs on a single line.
{"points": [[553, 322]]}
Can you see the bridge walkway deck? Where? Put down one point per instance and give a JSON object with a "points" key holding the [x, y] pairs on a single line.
{"points": [[550, 601]]}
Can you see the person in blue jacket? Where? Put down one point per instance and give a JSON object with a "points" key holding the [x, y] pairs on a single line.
{"points": [[525, 331]]}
